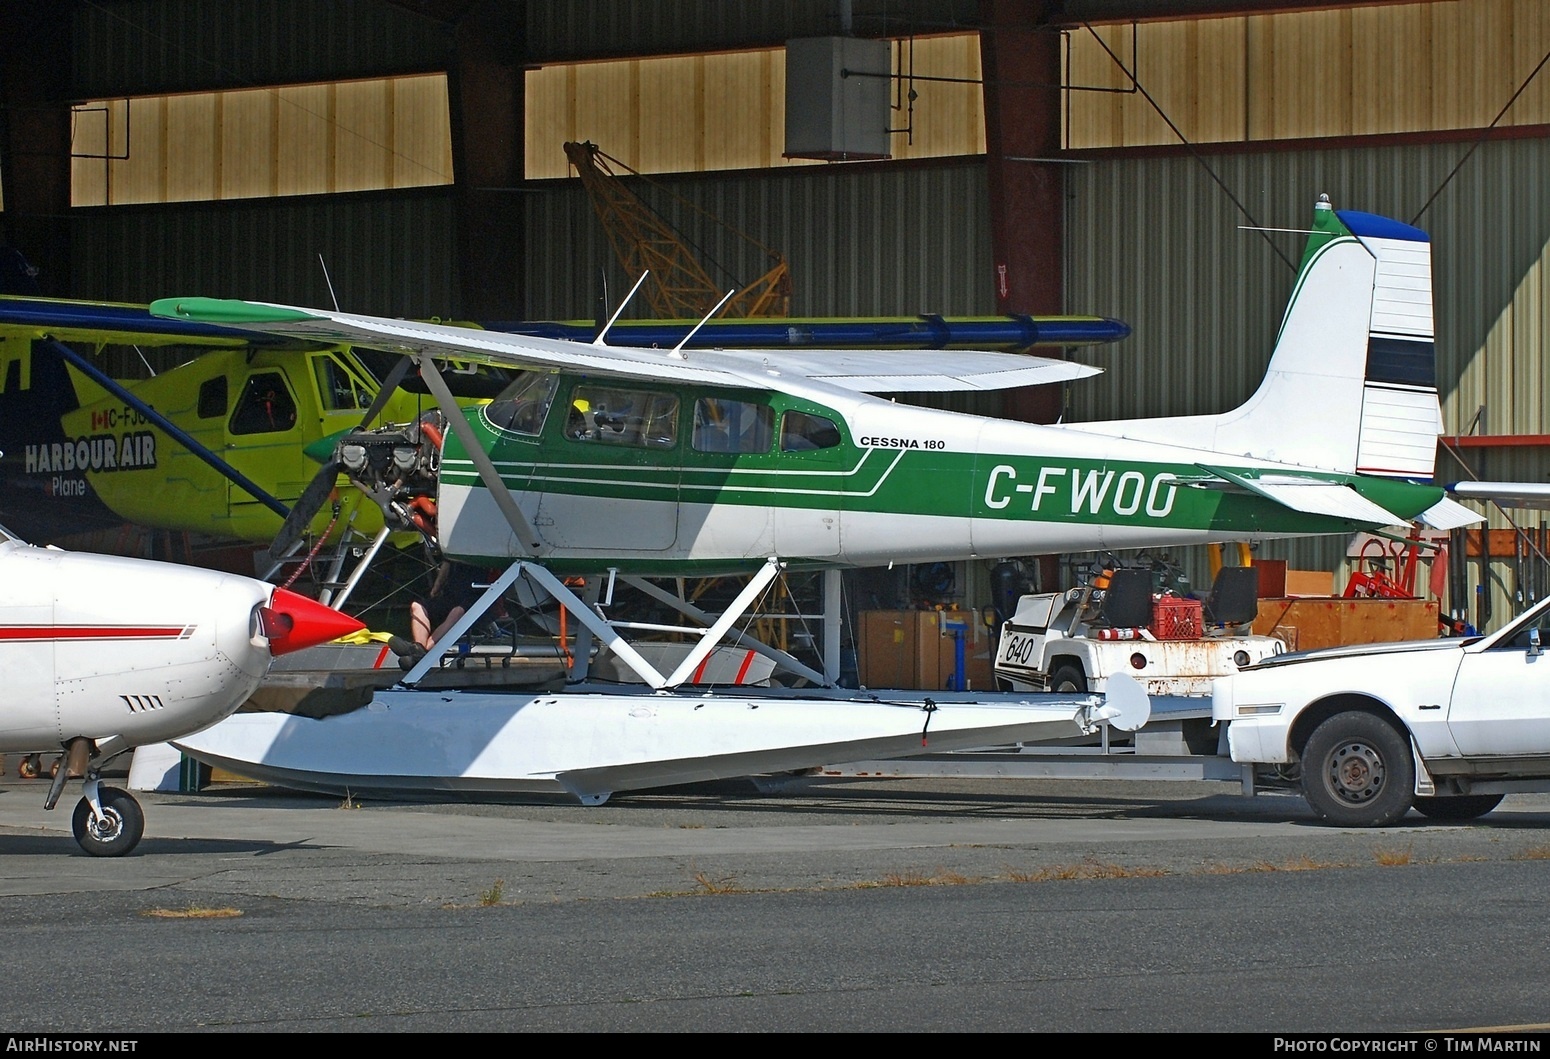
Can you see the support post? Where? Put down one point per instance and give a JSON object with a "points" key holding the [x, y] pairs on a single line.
{"points": [[832, 617]]}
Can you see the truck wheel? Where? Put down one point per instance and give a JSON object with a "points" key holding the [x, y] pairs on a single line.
{"points": [[1357, 771], [1067, 679], [1459, 807]]}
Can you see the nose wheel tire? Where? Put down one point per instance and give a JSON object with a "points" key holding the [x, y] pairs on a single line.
{"points": [[1358, 771], [118, 830]]}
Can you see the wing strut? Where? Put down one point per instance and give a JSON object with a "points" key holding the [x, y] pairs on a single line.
{"points": [[481, 459], [172, 430], [722, 625]]}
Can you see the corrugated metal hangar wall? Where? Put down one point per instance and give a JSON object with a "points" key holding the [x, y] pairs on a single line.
{"points": [[1150, 238]]}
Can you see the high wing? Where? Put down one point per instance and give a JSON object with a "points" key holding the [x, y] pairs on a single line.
{"points": [[97, 322], [906, 371], [858, 370]]}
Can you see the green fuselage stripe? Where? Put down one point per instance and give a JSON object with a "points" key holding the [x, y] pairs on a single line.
{"points": [[942, 484]]}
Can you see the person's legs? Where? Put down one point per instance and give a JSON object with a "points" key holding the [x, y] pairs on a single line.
{"points": [[441, 630], [420, 624]]}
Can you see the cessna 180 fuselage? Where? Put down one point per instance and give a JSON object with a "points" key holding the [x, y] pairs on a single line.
{"points": [[709, 461]]}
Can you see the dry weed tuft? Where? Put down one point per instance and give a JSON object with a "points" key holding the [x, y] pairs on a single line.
{"points": [[725, 885], [1392, 858]]}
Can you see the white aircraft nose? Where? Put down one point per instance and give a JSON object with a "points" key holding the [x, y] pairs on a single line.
{"points": [[292, 622]]}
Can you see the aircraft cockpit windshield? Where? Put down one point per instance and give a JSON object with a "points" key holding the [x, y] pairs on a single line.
{"points": [[523, 406], [341, 389], [465, 380]]}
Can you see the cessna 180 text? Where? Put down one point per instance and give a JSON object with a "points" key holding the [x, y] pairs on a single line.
{"points": [[100, 654], [619, 463]]}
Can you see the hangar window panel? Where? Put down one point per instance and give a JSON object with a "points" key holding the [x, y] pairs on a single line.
{"points": [[363, 135], [1363, 71], [722, 111]]}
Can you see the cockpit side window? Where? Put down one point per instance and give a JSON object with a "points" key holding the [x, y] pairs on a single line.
{"points": [[266, 406], [212, 398], [722, 424], [523, 406], [802, 431], [636, 418]]}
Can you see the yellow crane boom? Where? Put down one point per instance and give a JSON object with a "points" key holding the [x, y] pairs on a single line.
{"points": [[680, 286]]}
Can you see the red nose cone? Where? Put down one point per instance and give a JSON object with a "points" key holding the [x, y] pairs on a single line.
{"points": [[293, 621]]}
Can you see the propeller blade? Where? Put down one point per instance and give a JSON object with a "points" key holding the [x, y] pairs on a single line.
{"points": [[322, 485], [388, 388], [305, 510]]}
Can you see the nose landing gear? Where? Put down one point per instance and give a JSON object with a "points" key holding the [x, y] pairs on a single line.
{"points": [[107, 822]]}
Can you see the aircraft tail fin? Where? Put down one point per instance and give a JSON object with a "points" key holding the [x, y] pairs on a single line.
{"points": [[1351, 386]]}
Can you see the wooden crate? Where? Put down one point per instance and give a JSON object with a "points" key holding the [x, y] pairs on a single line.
{"points": [[916, 649], [1311, 622]]}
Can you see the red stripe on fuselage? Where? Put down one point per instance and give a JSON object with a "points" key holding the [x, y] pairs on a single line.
{"points": [[33, 633]]}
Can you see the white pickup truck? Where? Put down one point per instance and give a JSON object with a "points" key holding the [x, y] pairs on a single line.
{"points": [[1076, 641], [1446, 726]]}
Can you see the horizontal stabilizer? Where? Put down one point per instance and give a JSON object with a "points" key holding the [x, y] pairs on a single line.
{"points": [[1315, 496], [1447, 514]]}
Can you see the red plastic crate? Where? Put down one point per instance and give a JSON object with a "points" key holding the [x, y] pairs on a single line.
{"points": [[1177, 618]]}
